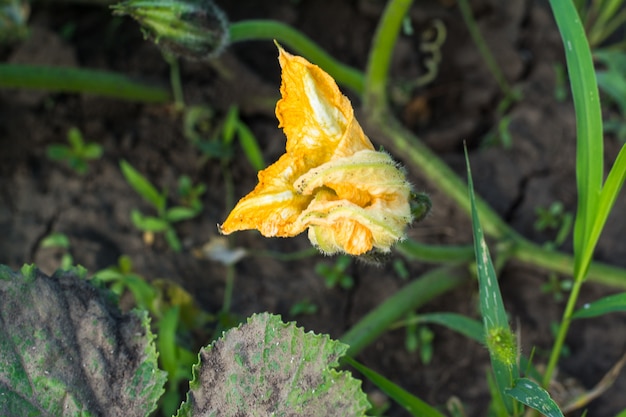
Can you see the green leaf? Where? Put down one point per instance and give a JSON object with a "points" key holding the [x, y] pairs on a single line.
{"points": [[65, 350], [266, 367], [92, 151], [230, 125], [172, 240], [142, 186], [499, 338], [467, 327], [610, 304], [58, 152], [250, 146], [177, 214], [148, 223], [75, 138], [530, 393], [411, 403], [56, 240], [606, 200], [589, 143]]}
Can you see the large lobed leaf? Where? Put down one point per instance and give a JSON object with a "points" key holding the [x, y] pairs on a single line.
{"points": [[65, 350], [268, 368]]}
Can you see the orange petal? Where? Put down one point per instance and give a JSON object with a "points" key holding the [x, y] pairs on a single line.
{"points": [[274, 205], [317, 119]]}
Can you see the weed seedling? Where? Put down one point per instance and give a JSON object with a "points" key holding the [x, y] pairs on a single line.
{"points": [[336, 274], [303, 307], [77, 154], [61, 242], [164, 221], [217, 142], [555, 218]]}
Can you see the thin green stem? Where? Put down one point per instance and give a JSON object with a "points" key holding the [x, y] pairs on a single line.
{"points": [[533, 254], [76, 80], [255, 30], [479, 40], [379, 61], [177, 86], [434, 253]]}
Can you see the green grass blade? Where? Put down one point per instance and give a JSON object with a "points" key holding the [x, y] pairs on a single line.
{"points": [[500, 340], [410, 402], [78, 80], [250, 146], [609, 193], [530, 393], [610, 304], [142, 186], [437, 254], [589, 148], [470, 328]]}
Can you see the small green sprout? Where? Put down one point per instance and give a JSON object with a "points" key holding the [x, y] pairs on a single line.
{"points": [[78, 154], [62, 242], [556, 287], [164, 221], [303, 307], [336, 274], [419, 338], [190, 194], [217, 141], [555, 218], [121, 278]]}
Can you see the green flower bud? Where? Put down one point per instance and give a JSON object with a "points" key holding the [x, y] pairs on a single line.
{"points": [[193, 29], [13, 17], [420, 206]]}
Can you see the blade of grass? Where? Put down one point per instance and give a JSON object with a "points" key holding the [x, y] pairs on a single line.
{"points": [[470, 328], [142, 186], [594, 203], [589, 144], [612, 303], [500, 340]]}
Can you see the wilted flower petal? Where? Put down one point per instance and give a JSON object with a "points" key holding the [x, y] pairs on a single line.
{"points": [[352, 198]]}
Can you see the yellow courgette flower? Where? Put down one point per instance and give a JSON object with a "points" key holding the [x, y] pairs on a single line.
{"points": [[352, 198]]}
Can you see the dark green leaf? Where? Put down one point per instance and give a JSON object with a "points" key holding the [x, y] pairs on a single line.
{"points": [[530, 393]]}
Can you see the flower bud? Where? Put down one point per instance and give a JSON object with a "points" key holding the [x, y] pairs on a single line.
{"points": [[193, 29], [13, 17]]}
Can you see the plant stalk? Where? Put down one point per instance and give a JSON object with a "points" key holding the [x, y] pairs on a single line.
{"points": [[254, 30]]}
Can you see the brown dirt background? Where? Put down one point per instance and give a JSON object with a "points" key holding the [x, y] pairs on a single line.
{"points": [[39, 196]]}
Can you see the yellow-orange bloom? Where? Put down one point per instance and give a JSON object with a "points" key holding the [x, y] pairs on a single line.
{"points": [[330, 180]]}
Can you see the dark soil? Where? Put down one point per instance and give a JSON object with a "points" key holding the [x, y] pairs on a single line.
{"points": [[39, 196]]}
